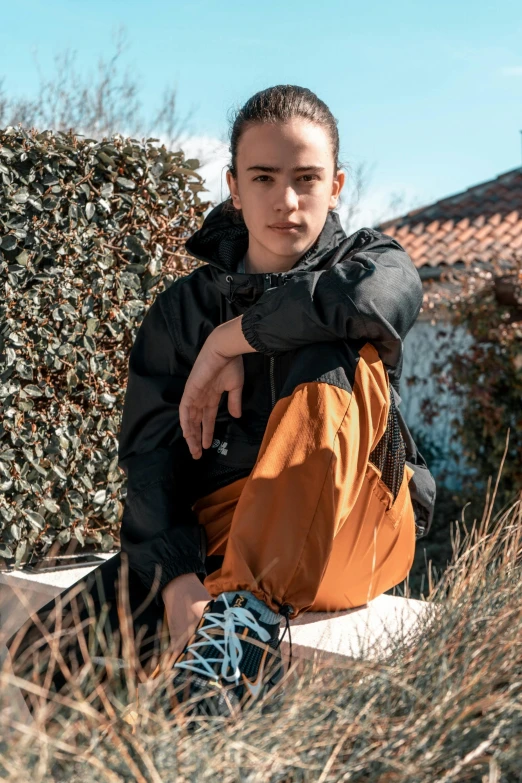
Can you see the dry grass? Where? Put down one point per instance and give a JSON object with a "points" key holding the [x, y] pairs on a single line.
{"points": [[446, 706]]}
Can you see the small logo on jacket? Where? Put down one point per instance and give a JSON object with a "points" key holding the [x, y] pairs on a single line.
{"points": [[221, 446]]}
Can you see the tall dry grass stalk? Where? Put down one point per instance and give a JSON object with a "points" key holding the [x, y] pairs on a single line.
{"points": [[445, 705]]}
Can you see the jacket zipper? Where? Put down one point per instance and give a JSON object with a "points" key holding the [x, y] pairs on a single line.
{"points": [[272, 359], [272, 384]]}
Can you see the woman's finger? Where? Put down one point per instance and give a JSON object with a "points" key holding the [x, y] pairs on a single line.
{"points": [[194, 444], [186, 419], [190, 420], [196, 419], [209, 420]]}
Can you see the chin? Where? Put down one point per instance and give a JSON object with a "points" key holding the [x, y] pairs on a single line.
{"points": [[287, 240], [288, 250]]}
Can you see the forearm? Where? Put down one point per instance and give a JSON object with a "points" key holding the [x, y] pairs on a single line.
{"points": [[229, 340], [374, 295]]}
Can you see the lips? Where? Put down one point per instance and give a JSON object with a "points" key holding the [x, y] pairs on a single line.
{"points": [[285, 225]]}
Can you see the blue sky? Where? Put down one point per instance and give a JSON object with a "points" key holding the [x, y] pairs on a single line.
{"points": [[428, 95]]}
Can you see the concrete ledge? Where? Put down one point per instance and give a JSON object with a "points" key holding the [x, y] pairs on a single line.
{"points": [[333, 637], [365, 631], [22, 594]]}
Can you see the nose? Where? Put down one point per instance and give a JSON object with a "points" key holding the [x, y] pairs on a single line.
{"points": [[287, 199]]}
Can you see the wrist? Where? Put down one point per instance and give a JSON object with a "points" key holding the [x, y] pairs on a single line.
{"points": [[228, 339]]}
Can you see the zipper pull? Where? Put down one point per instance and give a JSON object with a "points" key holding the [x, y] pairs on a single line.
{"points": [[229, 280]]}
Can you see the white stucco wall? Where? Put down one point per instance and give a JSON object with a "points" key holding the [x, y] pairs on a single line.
{"points": [[422, 346]]}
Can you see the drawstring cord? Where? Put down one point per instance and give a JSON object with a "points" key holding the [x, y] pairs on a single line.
{"points": [[285, 610], [229, 280], [231, 293], [247, 285]]}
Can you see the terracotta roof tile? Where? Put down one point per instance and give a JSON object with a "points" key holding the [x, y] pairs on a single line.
{"points": [[495, 219], [438, 236], [468, 234], [454, 245], [498, 247], [462, 224], [484, 231], [420, 251], [483, 220], [418, 241], [451, 236], [451, 258], [501, 231], [487, 243]]}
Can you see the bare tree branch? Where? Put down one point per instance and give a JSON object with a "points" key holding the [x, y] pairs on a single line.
{"points": [[355, 186], [93, 106], [397, 205]]}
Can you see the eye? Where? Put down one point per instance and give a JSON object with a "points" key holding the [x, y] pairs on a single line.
{"points": [[265, 176]]}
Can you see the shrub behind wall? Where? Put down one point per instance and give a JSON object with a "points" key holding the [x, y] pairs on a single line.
{"points": [[486, 379]]}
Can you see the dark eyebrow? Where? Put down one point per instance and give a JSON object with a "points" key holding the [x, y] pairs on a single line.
{"points": [[276, 170]]}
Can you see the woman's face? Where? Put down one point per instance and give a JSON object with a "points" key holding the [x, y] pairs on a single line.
{"points": [[270, 190]]}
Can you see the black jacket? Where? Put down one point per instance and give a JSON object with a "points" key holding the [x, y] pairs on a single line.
{"points": [[343, 288]]}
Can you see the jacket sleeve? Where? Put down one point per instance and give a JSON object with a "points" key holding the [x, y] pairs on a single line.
{"points": [[159, 532], [373, 293]]}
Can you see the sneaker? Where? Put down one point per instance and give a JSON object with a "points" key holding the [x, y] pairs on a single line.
{"points": [[231, 660]]}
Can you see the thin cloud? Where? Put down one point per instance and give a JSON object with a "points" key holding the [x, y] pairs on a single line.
{"points": [[511, 70]]}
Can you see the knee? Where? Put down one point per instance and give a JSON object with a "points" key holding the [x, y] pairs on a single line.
{"points": [[332, 362]]}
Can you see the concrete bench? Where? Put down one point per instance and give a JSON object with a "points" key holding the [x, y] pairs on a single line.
{"points": [[334, 637]]}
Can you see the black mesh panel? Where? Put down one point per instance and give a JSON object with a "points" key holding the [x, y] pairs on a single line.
{"points": [[390, 454]]}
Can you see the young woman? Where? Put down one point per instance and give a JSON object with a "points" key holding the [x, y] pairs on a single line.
{"points": [[269, 470]]}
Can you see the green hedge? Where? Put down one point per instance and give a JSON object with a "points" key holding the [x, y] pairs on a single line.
{"points": [[90, 233]]}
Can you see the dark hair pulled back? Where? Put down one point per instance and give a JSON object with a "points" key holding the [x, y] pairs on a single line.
{"points": [[281, 104]]}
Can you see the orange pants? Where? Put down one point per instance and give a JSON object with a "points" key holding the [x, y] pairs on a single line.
{"points": [[314, 525]]}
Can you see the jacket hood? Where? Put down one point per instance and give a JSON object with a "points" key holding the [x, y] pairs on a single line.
{"points": [[222, 242]]}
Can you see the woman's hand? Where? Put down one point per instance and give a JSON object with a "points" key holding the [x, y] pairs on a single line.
{"points": [[211, 375]]}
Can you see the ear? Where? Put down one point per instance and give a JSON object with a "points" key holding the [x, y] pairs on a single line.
{"points": [[337, 186], [232, 186]]}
